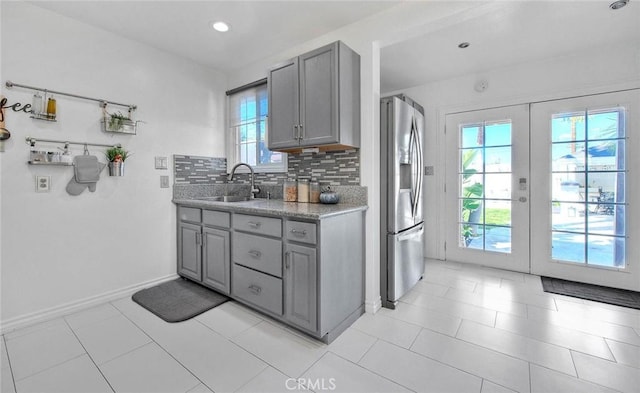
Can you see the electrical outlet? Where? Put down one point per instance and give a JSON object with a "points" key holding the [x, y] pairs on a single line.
{"points": [[164, 181], [43, 183], [428, 170]]}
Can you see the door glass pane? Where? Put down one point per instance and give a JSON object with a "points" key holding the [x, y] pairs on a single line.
{"points": [[567, 217], [471, 136], [471, 160], [568, 127], [485, 180], [497, 239], [568, 247], [588, 187], [498, 186], [498, 134], [497, 212], [498, 159]]}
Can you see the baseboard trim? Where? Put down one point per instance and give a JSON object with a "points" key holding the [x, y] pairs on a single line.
{"points": [[72, 307], [372, 307]]}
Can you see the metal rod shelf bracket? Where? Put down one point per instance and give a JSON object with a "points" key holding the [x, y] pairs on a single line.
{"points": [[32, 142], [102, 102]]}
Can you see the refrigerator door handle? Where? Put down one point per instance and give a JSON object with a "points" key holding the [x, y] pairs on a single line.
{"points": [[420, 164], [411, 161], [415, 166]]}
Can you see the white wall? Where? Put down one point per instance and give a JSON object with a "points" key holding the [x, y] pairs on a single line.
{"points": [[58, 250], [598, 70]]}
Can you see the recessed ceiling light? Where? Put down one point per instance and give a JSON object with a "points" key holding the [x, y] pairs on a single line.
{"points": [[616, 5], [220, 26], [463, 45]]}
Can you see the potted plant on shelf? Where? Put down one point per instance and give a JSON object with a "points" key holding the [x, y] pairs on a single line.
{"points": [[118, 122], [116, 157]]}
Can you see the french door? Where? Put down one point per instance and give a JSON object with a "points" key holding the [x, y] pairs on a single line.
{"points": [[577, 218], [585, 189], [487, 187]]}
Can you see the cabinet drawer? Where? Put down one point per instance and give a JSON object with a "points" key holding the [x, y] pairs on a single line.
{"points": [[258, 288], [304, 232], [189, 214], [256, 224], [258, 253], [216, 218]]}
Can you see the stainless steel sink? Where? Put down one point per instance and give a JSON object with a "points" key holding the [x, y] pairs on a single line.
{"points": [[225, 198]]}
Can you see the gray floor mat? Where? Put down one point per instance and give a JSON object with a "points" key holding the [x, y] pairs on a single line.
{"points": [[178, 300], [618, 297]]}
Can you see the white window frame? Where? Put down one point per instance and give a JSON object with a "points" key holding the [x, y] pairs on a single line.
{"points": [[234, 144]]}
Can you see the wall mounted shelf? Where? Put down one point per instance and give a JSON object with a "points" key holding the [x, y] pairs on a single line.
{"points": [[50, 163]]}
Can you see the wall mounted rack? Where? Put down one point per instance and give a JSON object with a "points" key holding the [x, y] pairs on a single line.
{"points": [[102, 102], [32, 142], [40, 157]]}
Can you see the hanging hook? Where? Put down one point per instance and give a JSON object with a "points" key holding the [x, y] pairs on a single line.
{"points": [[86, 150]]}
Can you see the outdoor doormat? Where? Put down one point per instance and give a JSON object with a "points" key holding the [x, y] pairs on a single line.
{"points": [[178, 300], [597, 293]]}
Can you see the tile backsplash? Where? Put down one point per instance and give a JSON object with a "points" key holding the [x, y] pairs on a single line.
{"points": [[337, 168]]}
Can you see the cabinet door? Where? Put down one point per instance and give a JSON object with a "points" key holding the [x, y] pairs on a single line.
{"points": [[216, 264], [282, 131], [319, 96], [189, 251], [301, 286]]}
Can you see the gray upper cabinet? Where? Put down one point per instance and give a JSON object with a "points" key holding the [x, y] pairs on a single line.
{"points": [[189, 251], [216, 264], [283, 106], [301, 286], [314, 100]]}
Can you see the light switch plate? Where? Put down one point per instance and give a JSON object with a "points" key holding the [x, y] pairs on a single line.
{"points": [[43, 183], [428, 170], [161, 162], [164, 181]]}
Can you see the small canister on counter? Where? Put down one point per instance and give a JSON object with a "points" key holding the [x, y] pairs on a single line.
{"points": [[303, 190], [290, 191], [314, 192]]}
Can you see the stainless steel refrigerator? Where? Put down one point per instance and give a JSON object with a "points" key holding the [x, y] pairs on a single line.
{"points": [[401, 223]]}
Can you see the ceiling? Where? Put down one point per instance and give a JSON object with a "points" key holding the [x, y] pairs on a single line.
{"points": [[511, 33], [258, 28], [505, 33]]}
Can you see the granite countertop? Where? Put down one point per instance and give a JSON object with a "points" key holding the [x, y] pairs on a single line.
{"points": [[275, 207]]}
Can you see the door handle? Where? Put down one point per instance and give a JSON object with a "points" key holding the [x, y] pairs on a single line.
{"points": [[522, 199], [295, 131], [255, 289], [198, 238], [301, 131], [298, 233], [287, 263]]}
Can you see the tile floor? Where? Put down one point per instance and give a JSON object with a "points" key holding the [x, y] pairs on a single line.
{"points": [[462, 329]]}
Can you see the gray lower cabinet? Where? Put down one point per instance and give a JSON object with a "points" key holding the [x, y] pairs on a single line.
{"points": [[204, 251], [301, 286], [189, 251], [308, 274], [216, 266]]}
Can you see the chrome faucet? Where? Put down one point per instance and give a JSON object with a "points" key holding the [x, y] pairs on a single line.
{"points": [[254, 189]]}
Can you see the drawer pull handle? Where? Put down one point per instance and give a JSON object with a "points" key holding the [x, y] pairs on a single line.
{"points": [[299, 233], [255, 253], [254, 224], [255, 289]]}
